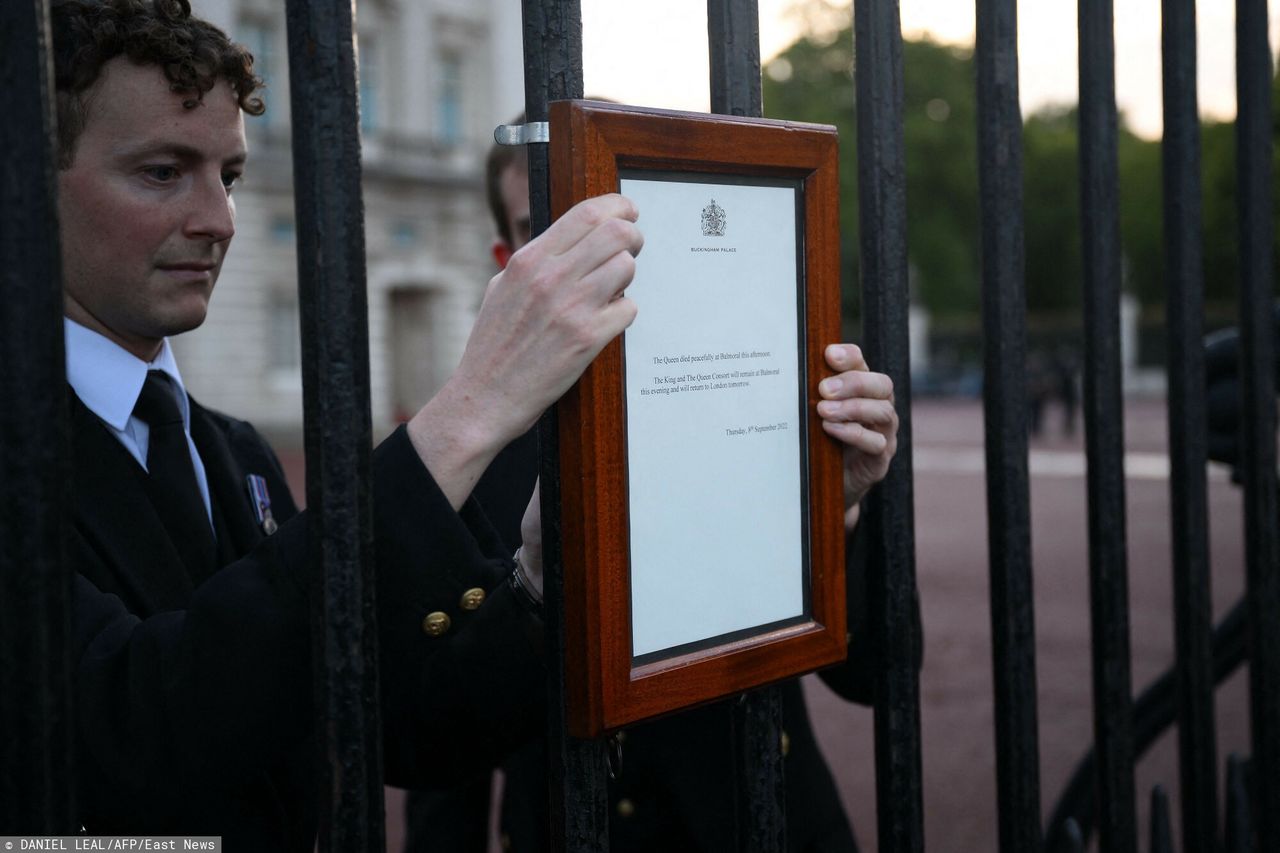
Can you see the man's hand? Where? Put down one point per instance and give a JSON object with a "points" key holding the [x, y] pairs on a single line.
{"points": [[530, 553], [857, 409], [543, 319]]}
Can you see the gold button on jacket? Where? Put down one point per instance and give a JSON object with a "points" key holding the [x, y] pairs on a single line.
{"points": [[472, 599], [435, 624]]}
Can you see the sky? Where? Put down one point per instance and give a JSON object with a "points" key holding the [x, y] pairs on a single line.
{"points": [[656, 53]]}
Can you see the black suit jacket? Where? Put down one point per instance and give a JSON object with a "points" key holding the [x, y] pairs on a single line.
{"points": [[674, 791], [194, 711]]}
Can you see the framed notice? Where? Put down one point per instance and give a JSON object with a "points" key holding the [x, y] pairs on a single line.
{"points": [[702, 502]]}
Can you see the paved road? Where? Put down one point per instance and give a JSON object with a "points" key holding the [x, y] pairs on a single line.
{"points": [[957, 721]]}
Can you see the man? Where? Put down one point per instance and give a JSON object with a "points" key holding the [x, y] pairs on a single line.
{"points": [[191, 649], [673, 791]]}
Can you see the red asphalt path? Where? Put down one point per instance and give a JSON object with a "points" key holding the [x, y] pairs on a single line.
{"points": [[956, 683]]}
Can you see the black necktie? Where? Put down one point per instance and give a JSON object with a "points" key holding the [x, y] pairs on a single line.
{"points": [[171, 477]]}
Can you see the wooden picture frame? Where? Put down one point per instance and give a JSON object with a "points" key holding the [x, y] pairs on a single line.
{"points": [[618, 671]]}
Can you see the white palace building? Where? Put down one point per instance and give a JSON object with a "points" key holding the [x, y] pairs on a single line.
{"points": [[436, 76]]}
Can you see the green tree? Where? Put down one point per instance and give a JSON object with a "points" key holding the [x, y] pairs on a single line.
{"points": [[813, 81], [1221, 221], [1142, 218], [1051, 204], [1051, 210]]}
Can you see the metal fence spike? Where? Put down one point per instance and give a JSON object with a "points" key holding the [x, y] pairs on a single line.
{"points": [[1239, 829], [1074, 837], [1161, 831]]}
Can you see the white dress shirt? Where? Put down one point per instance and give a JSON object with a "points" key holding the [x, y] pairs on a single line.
{"points": [[108, 379]]}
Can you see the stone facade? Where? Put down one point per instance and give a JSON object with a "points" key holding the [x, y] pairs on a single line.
{"points": [[436, 76]]}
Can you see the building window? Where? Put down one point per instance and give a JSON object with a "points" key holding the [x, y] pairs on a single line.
{"points": [[451, 98], [404, 235], [284, 352], [368, 69], [418, 368], [259, 37], [282, 230]]}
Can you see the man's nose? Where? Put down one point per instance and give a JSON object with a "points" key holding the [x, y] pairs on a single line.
{"points": [[213, 214]]}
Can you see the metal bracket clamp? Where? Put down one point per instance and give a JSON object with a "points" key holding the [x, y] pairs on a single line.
{"points": [[522, 134]]}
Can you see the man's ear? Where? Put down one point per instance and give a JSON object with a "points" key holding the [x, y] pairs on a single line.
{"points": [[502, 253]]}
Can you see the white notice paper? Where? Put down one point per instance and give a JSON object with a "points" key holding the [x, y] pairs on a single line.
{"points": [[713, 400]]}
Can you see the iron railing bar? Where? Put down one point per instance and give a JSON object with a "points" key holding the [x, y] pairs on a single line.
{"points": [[759, 781], [733, 40], [37, 786], [1188, 441], [889, 513], [1258, 446], [1004, 305], [1104, 431], [335, 384], [577, 769]]}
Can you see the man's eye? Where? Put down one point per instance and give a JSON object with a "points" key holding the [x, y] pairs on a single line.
{"points": [[230, 179], [164, 174]]}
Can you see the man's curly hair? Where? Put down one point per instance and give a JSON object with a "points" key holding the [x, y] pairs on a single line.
{"points": [[193, 54]]}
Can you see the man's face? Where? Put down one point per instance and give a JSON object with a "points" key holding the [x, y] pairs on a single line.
{"points": [[513, 183], [145, 207]]}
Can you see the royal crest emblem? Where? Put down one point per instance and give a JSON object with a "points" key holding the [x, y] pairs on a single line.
{"points": [[713, 220]]}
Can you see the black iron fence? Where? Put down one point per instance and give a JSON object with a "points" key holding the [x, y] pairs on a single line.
{"points": [[37, 788], [336, 415], [1193, 616], [882, 181], [1008, 486]]}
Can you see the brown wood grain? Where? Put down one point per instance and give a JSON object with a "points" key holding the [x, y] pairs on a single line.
{"points": [[590, 142]]}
